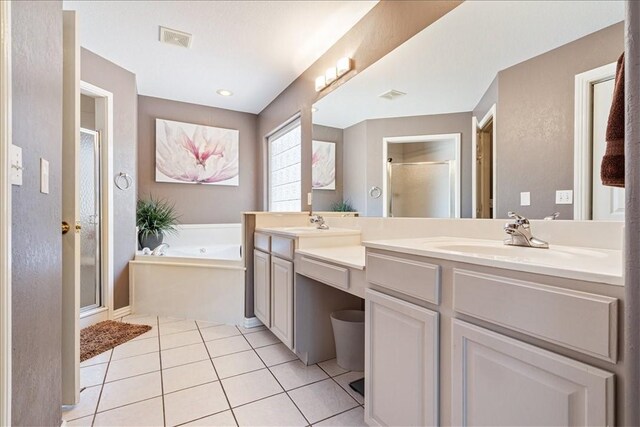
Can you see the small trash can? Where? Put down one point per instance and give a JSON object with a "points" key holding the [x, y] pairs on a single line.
{"points": [[348, 332]]}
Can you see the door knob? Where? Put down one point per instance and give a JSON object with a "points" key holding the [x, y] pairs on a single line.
{"points": [[78, 226], [65, 227]]}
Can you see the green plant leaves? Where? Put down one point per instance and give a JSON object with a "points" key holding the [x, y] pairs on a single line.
{"points": [[154, 216]]}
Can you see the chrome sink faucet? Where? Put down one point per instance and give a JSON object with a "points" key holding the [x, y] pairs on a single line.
{"points": [[159, 250], [318, 220], [520, 232]]}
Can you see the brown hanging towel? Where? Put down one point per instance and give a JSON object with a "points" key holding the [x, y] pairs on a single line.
{"points": [[612, 169]]}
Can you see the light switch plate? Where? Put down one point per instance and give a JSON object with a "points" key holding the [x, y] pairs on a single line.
{"points": [[44, 176], [15, 162], [564, 197], [525, 198], [309, 198]]}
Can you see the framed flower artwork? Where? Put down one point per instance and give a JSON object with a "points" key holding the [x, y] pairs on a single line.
{"points": [[323, 165]]}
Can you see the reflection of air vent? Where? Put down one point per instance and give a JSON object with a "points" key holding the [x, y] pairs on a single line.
{"points": [[392, 94], [178, 38]]}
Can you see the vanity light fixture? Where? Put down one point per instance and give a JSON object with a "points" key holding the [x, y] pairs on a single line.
{"points": [[343, 66], [224, 92]]}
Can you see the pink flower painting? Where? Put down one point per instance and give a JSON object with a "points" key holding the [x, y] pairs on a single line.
{"points": [[195, 154], [323, 165]]}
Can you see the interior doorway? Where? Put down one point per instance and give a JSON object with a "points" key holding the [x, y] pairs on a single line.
{"points": [[484, 165]]}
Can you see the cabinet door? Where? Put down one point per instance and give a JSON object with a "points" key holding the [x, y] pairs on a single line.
{"points": [[500, 381], [282, 300], [262, 287], [401, 362]]}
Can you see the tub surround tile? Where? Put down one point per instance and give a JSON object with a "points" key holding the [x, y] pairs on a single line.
{"points": [[273, 411], [92, 375], [295, 374], [250, 387], [351, 418], [322, 400], [331, 367], [183, 355], [223, 419], [238, 363], [87, 405], [217, 332], [133, 366], [145, 413], [275, 354], [225, 346], [193, 403], [261, 339], [130, 390], [185, 376], [179, 339], [135, 348]]}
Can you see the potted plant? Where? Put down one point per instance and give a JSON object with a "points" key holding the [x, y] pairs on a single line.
{"points": [[342, 206], [154, 218]]}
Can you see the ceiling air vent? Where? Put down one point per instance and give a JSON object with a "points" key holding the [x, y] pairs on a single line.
{"points": [[392, 94], [175, 37]]}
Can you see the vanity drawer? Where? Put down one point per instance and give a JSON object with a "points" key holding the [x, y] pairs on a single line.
{"points": [[579, 320], [324, 272], [414, 278], [262, 242], [282, 247]]}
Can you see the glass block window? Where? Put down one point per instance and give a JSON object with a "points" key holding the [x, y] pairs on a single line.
{"points": [[284, 169]]}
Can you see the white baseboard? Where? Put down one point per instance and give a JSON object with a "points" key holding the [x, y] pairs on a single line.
{"points": [[251, 322], [121, 312]]}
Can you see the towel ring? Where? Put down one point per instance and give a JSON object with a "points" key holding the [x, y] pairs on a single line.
{"points": [[123, 181], [375, 192]]}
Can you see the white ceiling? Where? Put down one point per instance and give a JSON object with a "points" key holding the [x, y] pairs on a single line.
{"points": [[449, 65], [253, 48]]}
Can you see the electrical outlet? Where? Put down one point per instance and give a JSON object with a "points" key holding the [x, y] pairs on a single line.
{"points": [[564, 197], [15, 158], [525, 198], [309, 198]]}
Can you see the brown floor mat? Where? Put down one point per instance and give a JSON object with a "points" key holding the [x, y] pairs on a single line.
{"points": [[103, 336]]}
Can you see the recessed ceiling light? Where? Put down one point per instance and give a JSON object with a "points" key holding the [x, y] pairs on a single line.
{"points": [[224, 92]]}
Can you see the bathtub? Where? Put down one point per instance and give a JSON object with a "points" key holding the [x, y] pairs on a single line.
{"points": [[201, 276]]}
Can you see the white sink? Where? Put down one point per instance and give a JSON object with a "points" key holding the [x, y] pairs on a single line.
{"points": [[498, 249]]}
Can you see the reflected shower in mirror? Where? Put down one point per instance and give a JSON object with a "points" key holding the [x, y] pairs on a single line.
{"points": [[526, 90]]}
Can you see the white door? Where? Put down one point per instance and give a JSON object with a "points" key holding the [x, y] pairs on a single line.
{"points": [[70, 212], [499, 381], [262, 287], [608, 202], [401, 362], [282, 300]]}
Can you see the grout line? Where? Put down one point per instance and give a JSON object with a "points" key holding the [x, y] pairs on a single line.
{"points": [[202, 418], [339, 413], [218, 376], [339, 385], [164, 412], [285, 391], [129, 404], [95, 411]]}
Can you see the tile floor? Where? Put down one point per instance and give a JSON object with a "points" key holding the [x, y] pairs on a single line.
{"points": [[190, 373]]}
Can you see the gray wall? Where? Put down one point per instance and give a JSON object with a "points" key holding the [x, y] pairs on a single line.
{"points": [[385, 27], [355, 167], [36, 242], [487, 101], [323, 199], [199, 204], [122, 83], [535, 122]]}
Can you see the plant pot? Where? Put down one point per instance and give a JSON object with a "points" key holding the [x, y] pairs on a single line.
{"points": [[151, 241]]}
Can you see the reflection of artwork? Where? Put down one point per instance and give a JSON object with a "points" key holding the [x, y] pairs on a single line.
{"points": [[194, 154], [323, 165]]}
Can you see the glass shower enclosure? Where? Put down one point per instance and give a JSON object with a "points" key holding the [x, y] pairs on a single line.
{"points": [[89, 189]]}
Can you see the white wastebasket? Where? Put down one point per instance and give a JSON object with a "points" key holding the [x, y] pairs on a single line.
{"points": [[348, 332]]}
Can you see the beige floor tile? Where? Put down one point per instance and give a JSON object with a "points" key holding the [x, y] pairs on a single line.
{"points": [[226, 346], [193, 403], [223, 419], [130, 390], [322, 400], [295, 374], [135, 348], [142, 320], [92, 375], [274, 411], [132, 366], [275, 354], [81, 422], [238, 363], [149, 334], [217, 332], [87, 405], [344, 381], [249, 387], [169, 319], [262, 338], [251, 330], [331, 367], [352, 418], [204, 324], [183, 355], [145, 413], [179, 339], [185, 376], [96, 360], [178, 326]]}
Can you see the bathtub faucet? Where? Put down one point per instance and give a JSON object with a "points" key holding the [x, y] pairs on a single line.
{"points": [[159, 250], [318, 220]]}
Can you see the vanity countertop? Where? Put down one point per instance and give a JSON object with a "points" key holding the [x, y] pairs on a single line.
{"points": [[347, 256], [308, 231], [588, 264]]}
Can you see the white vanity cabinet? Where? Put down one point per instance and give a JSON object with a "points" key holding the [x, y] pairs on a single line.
{"points": [[282, 300], [500, 381], [262, 286]]}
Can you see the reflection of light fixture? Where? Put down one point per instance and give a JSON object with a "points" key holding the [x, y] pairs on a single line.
{"points": [[334, 73], [224, 92]]}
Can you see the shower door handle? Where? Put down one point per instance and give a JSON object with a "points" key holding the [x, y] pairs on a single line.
{"points": [[65, 227]]}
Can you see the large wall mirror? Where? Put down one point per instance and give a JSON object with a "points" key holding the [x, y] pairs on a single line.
{"points": [[499, 106]]}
